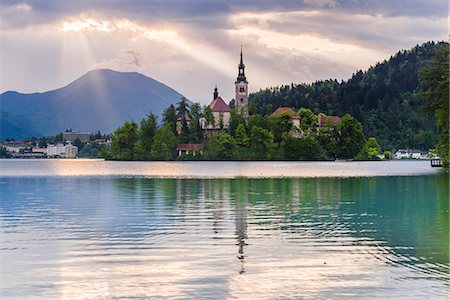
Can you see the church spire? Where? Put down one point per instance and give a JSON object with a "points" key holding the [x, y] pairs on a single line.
{"points": [[216, 93], [241, 70]]}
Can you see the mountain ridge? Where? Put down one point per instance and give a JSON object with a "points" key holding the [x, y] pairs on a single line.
{"points": [[98, 100]]}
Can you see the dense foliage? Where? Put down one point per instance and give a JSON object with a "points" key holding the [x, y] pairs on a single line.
{"points": [[386, 99], [435, 82], [253, 138]]}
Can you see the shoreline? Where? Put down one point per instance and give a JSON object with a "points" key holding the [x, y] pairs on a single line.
{"points": [[213, 169]]}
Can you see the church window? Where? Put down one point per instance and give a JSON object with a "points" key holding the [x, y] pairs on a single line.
{"points": [[242, 89]]}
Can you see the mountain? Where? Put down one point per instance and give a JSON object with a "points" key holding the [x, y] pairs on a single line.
{"points": [[99, 100], [386, 99]]}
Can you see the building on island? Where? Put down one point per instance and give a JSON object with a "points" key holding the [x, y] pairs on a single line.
{"points": [[221, 112], [287, 110], [71, 136], [190, 149], [324, 120], [241, 89]]}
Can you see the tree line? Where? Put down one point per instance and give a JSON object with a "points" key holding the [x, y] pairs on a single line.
{"points": [[387, 99]]}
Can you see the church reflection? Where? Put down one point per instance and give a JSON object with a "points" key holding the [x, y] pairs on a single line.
{"points": [[241, 231], [354, 209]]}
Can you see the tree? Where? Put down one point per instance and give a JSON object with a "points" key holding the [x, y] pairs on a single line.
{"points": [[370, 151], [145, 137], [308, 119], [183, 114], [351, 137], [164, 144], [434, 79], [78, 143], [227, 146], [280, 125], [170, 118], [241, 136], [310, 149], [123, 141], [209, 116], [290, 147], [195, 132], [261, 143]]}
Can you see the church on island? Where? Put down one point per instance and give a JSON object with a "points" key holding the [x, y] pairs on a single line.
{"points": [[221, 112], [220, 109]]}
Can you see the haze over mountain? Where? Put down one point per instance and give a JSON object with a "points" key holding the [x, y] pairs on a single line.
{"points": [[99, 100]]}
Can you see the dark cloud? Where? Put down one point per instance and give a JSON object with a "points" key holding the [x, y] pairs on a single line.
{"points": [[212, 13]]}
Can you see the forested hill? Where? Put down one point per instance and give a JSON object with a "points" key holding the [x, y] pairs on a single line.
{"points": [[385, 99]]}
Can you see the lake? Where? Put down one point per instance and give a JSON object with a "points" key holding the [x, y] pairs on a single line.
{"points": [[90, 229]]}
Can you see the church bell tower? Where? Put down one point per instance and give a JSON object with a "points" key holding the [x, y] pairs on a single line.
{"points": [[241, 86]]}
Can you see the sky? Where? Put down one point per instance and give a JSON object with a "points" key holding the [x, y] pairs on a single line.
{"points": [[194, 45]]}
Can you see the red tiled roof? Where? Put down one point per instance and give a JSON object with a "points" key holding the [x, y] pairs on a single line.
{"points": [[322, 120], [277, 113], [190, 147], [218, 105]]}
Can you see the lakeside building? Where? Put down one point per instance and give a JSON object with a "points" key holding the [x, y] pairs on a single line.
{"points": [[411, 154], [71, 136], [187, 149], [61, 150], [14, 146]]}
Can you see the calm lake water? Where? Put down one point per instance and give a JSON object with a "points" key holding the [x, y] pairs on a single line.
{"points": [[80, 229]]}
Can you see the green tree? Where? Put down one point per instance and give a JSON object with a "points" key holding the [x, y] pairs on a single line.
{"points": [[145, 137], [170, 118], [235, 120], [310, 149], [78, 143], [308, 120], [280, 125], [123, 141], [195, 132], [290, 147], [164, 144], [227, 146], [183, 114], [261, 143], [434, 80], [370, 151], [351, 137], [242, 139], [209, 116]]}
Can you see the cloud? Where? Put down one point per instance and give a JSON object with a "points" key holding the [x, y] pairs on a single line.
{"points": [[193, 45], [126, 60]]}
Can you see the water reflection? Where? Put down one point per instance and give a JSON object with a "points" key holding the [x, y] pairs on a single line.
{"points": [[180, 238]]}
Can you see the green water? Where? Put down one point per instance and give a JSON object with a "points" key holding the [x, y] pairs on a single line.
{"points": [[112, 237]]}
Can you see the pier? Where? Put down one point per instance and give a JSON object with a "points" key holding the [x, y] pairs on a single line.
{"points": [[436, 163]]}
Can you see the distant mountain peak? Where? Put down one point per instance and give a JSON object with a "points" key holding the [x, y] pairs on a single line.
{"points": [[101, 99]]}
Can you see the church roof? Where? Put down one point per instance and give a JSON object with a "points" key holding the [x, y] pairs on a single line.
{"points": [[218, 105], [277, 113]]}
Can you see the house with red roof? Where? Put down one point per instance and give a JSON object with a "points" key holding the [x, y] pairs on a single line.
{"points": [[186, 149], [324, 120], [287, 110]]}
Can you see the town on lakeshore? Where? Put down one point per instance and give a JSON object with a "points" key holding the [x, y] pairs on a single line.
{"points": [[221, 131]]}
